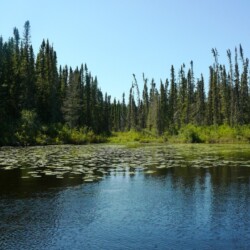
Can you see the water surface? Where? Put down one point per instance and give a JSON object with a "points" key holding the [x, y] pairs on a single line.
{"points": [[113, 197]]}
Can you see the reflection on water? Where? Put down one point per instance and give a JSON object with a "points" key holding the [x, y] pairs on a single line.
{"points": [[178, 197]]}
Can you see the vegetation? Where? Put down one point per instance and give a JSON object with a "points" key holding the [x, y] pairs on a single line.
{"points": [[187, 134], [41, 103]]}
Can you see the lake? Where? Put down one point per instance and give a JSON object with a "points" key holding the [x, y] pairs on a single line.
{"points": [[116, 197]]}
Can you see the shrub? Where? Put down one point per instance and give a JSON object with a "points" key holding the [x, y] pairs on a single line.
{"points": [[190, 134], [27, 128]]}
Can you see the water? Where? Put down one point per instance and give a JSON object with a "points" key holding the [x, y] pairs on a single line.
{"points": [[154, 197]]}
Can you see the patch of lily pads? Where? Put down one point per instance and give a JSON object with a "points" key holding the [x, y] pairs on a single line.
{"points": [[92, 163]]}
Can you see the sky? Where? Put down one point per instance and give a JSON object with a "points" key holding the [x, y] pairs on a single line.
{"points": [[119, 38]]}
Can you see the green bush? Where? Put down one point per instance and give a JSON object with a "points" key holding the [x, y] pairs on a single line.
{"points": [[79, 136], [28, 128], [190, 134]]}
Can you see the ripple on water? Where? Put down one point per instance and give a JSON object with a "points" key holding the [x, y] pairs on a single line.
{"points": [[87, 197]]}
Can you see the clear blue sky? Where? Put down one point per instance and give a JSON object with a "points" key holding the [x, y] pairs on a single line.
{"points": [[117, 38]]}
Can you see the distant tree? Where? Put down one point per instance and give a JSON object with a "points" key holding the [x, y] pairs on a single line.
{"points": [[182, 96], [72, 103], [107, 114], [27, 71], [48, 87], [144, 104], [131, 114], [190, 95], [237, 109], [35, 92], [163, 109], [231, 86], [153, 113], [123, 113], [244, 90], [200, 105], [173, 115]]}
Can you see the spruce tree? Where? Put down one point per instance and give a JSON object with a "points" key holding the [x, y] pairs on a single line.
{"points": [[244, 90], [183, 97], [200, 109], [123, 113], [72, 103], [173, 116], [237, 110], [145, 104]]}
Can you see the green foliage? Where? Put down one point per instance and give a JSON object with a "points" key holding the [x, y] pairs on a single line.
{"points": [[28, 127], [191, 134], [212, 134], [41, 104], [79, 136], [133, 136]]}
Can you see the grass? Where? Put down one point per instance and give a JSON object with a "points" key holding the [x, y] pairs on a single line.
{"points": [[212, 134], [134, 138], [223, 134], [61, 134]]}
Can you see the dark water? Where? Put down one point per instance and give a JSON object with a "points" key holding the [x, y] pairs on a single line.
{"points": [[159, 197]]}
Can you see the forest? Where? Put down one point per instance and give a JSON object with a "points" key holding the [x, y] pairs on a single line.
{"points": [[43, 103]]}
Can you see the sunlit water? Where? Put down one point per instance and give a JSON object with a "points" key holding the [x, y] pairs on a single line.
{"points": [[157, 197]]}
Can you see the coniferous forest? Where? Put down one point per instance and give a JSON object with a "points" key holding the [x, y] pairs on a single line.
{"points": [[43, 103]]}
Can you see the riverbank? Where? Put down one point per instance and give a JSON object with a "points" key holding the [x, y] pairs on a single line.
{"points": [[188, 134], [58, 134]]}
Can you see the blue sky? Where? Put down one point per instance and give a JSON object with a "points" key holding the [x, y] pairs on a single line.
{"points": [[117, 38]]}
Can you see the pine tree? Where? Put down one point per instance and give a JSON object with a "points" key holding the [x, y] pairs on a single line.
{"points": [[72, 103], [183, 97], [131, 114], [4, 90], [173, 115], [153, 113], [106, 112], [86, 98], [200, 103], [63, 82], [27, 71], [190, 95], [244, 91], [215, 90], [47, 85], [144, 104], [237, 110], [123, 113], [231, 86], [225, 94], [163, 109]]}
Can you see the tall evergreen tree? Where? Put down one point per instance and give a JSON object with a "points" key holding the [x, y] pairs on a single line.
{"points": [[123, 113], [27, 71], [145, 104], [190, 94], [72, 103], [173, 115], [163, 109], [231, 86], [225, 95], [236, 91], [200, 109], [183, 96], [244, 90]]}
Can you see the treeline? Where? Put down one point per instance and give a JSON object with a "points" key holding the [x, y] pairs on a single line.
{"points": [[35, 94], [183, 100], [40, 101]]}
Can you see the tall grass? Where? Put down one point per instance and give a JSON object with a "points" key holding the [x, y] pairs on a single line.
{"points": [[30, 133], [134, 137], [212, 134], [187, 134]]}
